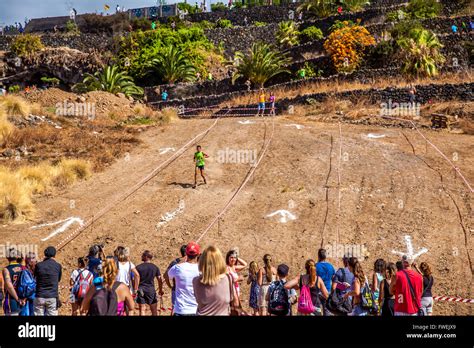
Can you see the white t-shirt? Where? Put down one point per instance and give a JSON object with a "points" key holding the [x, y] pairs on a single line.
{"points": [[75, 273], [123, 274], [183, 274]]}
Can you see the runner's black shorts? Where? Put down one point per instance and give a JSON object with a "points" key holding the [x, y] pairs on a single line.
{"points": [[200, 167], [145, 296]]}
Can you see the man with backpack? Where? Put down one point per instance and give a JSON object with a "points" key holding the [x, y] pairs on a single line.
{"points": [[341, 283], [11, 275], [27, 286], [80, 282], [48, 274], [407, 285], [280, 299]]}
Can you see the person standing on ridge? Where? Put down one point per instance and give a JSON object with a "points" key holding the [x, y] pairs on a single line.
{"points": [[199, 159]]}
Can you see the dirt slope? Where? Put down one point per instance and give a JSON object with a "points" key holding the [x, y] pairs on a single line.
{"points": [[387, 191]]}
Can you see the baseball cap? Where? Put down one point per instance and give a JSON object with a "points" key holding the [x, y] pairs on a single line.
{"points": [[192, 249]]}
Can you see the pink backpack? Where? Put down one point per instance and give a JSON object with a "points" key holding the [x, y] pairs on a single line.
{"points": [[305, 304]]}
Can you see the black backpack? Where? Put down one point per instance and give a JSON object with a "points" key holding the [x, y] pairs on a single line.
{"points": [[279, 303], [104, 302], [336, 302]]}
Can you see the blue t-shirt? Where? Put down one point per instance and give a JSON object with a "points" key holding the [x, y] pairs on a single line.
{"points": [[164, 96], [343, 277], [454, 28], [326, 271], [93, 266]]}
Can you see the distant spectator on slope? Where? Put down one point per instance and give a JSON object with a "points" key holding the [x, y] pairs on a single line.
{"points": [[454, 28], [428, 280], [266, 275], [407, 286], [148, 272], [184, 273], [172, 284], [48, 275]]}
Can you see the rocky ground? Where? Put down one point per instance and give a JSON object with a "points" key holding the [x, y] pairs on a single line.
{"points": [[391, 185]]}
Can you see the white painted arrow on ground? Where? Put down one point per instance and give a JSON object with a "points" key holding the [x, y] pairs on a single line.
{"points": [[409, 253], [66, 224], [246, 122], [298, 126], [166, 150], [285, 215]]}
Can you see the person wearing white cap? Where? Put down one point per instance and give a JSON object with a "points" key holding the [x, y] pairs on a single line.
{"points": [[407, 285]]}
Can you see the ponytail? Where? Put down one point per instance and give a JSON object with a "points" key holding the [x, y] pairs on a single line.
{"points": [[110, 271], [311, 272], [267, 260]]}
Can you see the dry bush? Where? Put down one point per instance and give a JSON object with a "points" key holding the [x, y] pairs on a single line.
{"points": [[15, 106], [6, 131], [36, 109], [38, 177], [168, 115], [68, 171], [15, 198]]}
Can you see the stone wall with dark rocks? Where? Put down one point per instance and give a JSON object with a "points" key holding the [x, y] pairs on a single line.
{"points": [[81, 42]]}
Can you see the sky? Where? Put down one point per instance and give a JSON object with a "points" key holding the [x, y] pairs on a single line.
{"points": [[12, 11]]}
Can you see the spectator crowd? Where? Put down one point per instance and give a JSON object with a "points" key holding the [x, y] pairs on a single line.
{"points": [[207, 282]]}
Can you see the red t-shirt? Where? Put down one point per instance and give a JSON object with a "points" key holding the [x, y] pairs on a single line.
{"points": [[403, 297]]}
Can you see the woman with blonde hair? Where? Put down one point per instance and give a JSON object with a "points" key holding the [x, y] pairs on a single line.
{"points": [[213, 288], [266, 275], [254, 288], [127, 272], [316, 286], [108, 296]]}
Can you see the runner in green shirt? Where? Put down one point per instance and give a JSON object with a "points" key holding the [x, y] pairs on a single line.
{"points": [[199, 159]]}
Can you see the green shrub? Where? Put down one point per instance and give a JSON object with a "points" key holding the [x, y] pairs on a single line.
{"points": [[72, 28], [141, 24], [355, 5], [311, 33], [53, 81], [403, 28], [14, 89], [183, 6], [218, 7], [421, 9], [308, 71], [396, 16], [341, 24], [259, 24], [25, 45], [287, 34], [224, 23], [205, 25]]}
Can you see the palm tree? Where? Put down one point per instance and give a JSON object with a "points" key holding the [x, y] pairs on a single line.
{"points": [[420, 51], [173, 65], [317, 8], [287, 34], [261, 63], [112, 80]]}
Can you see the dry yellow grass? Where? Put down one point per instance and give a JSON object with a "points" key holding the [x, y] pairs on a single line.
{"points": [[38, 177], [6, 131], [68, 171], [168, 115], [15, 106], [144, 111], [15, 198]]}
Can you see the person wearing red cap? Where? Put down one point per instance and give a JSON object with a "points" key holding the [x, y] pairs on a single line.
{"points": [[183, 275]]}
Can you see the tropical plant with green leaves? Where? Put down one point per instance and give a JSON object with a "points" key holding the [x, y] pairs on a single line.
{"points": [[173, 65], [421, 9], [223, 23], [287, 34], [259, 64], [111, 80], [420, 52], [317, 8], [355, 5], [311, 33]]}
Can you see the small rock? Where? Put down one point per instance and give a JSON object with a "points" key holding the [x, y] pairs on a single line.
{"points": [[121, 95]]}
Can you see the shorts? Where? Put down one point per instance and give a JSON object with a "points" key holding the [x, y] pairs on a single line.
{"points": [[403, 314], [262, 302], [200, 167], [261, 106], [427, 305], [146, 297]]}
